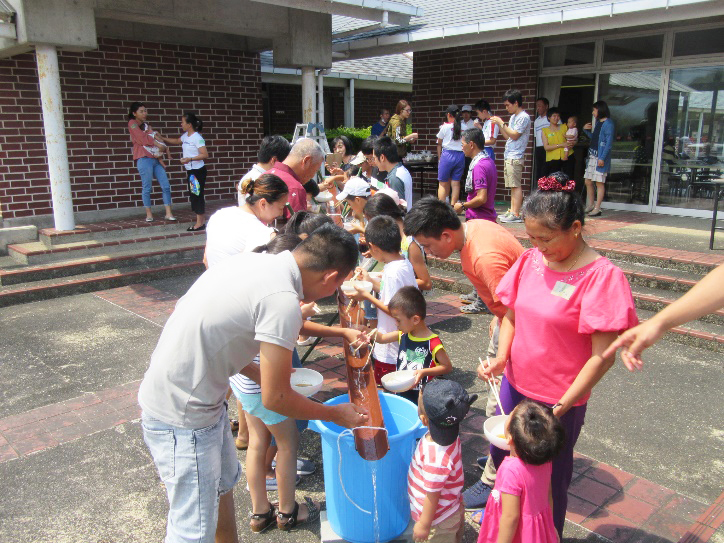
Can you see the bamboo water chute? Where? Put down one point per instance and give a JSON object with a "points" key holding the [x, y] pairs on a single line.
{"points": [[371, 441]]}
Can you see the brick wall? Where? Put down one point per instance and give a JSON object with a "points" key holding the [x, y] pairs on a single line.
{"points": [[463, 75], [367, 104], [222, 87]]}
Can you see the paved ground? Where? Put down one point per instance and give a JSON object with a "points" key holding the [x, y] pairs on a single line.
{"points": [[74, 468]]}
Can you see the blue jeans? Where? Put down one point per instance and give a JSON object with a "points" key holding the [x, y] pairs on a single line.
{"points": [[150, 168], [196, 466]]}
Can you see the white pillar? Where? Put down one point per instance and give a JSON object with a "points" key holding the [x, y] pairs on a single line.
{"points": [[308, 94], [320, 97], [49, 76], [351, 102]]}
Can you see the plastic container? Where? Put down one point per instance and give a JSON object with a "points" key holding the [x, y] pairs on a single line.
{"points": [[493, 428], [306, 382], [399, 381], [351, 515]]}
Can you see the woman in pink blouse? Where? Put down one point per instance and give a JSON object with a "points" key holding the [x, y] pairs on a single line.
{"points": [[566, 304], [148, 165]]}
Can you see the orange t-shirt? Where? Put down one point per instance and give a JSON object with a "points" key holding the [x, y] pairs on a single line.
{"points": [[489, 252]]}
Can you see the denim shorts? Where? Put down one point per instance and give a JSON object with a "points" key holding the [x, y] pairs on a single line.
{"points": [[196, 466]]}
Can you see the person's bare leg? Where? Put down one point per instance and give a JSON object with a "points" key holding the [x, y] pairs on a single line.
{"points": [[271, 453], [242, 437], [226, 525], [259, 439], [516, 200], [455, 192], [149, 213], [600, 193], [287, 438], [200, 220], [168, 212], [443, 190], [589, 194]]}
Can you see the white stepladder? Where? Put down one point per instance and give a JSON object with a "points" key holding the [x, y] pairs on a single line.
{"points": [[314, 131]]}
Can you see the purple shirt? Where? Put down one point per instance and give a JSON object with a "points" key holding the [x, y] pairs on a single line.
{"points": [[485, 176]]}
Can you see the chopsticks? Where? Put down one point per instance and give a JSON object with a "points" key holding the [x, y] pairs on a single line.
{"points": [[349, 305], [492, 386]]}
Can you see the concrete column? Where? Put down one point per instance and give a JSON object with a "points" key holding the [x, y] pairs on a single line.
{"points": [[308, 94], [347, 111], [351, 103], [320, 97], [49, 76]]}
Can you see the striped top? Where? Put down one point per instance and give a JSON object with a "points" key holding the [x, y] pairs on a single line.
{"points": [[435, 468], [244, 384]]}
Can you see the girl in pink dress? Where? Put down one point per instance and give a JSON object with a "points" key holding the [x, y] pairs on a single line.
{"points": [[520, 507]]}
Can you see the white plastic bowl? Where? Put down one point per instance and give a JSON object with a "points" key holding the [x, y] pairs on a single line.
{"points": [[399, 381], [348, 287], [493, 428], [376, 275], [324, 197], [363, 285], [306, 382]]}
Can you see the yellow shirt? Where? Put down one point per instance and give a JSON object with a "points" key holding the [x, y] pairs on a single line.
{"points": [[555, 138]]}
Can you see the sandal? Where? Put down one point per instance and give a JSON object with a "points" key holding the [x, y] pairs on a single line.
{"points": [[287, 521], [234, 425], [595, 213], [260, 523]]}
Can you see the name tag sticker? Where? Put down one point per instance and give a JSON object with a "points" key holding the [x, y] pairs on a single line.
{"points": [[563, 290]]}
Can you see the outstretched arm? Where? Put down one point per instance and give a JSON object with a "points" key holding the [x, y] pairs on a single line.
{"points": [[705, 297]]}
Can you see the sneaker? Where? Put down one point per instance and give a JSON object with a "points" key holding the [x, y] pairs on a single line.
{"points": [[304, 466], [476, 496], [511, 218], [478, 306], [469, 298], [308, 341]]}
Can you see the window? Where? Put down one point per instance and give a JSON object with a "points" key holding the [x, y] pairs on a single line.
{"points": [[569, 55], [699, 42], [633, 48]]}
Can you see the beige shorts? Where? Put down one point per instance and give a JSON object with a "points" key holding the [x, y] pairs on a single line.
{"points": [[513, 172], [449, 530]]}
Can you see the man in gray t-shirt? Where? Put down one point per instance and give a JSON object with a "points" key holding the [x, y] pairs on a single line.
{"points": [[247, 304]]}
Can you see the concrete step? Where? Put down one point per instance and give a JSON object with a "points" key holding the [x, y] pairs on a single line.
{"points": [[36, 253], [652, 299], [116, 230], [12, 273], [450, 281], [94, 281], [697, 333]]}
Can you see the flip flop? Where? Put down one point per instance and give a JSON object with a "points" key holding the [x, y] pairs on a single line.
{"points": [[192, 229], [172, 219], [149, 219]]}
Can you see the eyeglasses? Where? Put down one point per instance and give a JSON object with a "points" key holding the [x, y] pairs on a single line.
{"points": [[408, 110], [370, 158]]}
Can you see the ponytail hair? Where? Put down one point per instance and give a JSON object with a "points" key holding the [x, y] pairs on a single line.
{"points": [[267, 187], [194, 121], [455, 112], [279, 244]]}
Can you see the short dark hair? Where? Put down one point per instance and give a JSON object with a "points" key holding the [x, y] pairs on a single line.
{"points": [[348, 147], [383, 109], [558, 210], [368, 145], [552, 111], [544, 100], [538, 435], [603, 111], [385, 146], [306, 222], [135, 106], [429, 217], [410, 301], [514, 97], [273, 146], [475, 135], [279, 244], [383, 232], [329, 247], [482, 105], [382, 204]]}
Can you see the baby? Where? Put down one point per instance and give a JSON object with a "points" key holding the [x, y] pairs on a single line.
{"points": [[156, 150], [571, 134]]}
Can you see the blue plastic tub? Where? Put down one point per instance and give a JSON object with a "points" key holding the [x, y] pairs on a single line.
{"points": [[352, 515]]}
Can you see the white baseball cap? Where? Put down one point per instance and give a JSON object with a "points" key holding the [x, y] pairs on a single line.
{"points": [[356, 186]]}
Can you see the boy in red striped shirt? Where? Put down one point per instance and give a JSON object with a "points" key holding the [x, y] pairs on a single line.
{"points": [[435, 478]]}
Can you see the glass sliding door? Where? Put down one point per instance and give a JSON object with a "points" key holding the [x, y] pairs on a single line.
{"points": [[693, 142], [633, 98]]}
